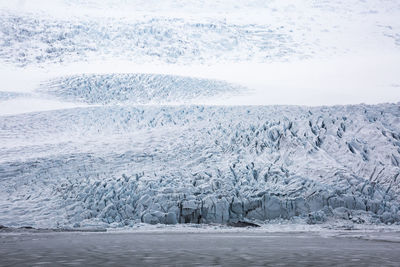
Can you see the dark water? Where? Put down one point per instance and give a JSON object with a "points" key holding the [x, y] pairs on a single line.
{"points": [[200, 249]]}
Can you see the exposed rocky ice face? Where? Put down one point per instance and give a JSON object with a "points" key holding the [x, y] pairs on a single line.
{"points": [[121, 165]]}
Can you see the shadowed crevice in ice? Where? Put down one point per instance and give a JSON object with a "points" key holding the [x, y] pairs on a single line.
{"points": [[135, 88]]}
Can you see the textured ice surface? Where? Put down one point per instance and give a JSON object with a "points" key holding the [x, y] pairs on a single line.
{"points": [[202, 32], [117, 162], [32, 40], [136, 88], [120, 165]]}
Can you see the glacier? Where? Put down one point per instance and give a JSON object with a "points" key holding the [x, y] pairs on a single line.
{"points": [[120, 165], [138, 88], [31, 40], [122, 113], [59, 32]]}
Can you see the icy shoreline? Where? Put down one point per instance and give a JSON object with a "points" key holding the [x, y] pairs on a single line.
{"points": [[298, 225]]}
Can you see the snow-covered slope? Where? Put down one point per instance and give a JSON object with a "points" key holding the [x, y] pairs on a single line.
{"points": [[122, 165]]}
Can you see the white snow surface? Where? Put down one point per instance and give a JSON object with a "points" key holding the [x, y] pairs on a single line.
{"points": [[118, 113]]}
